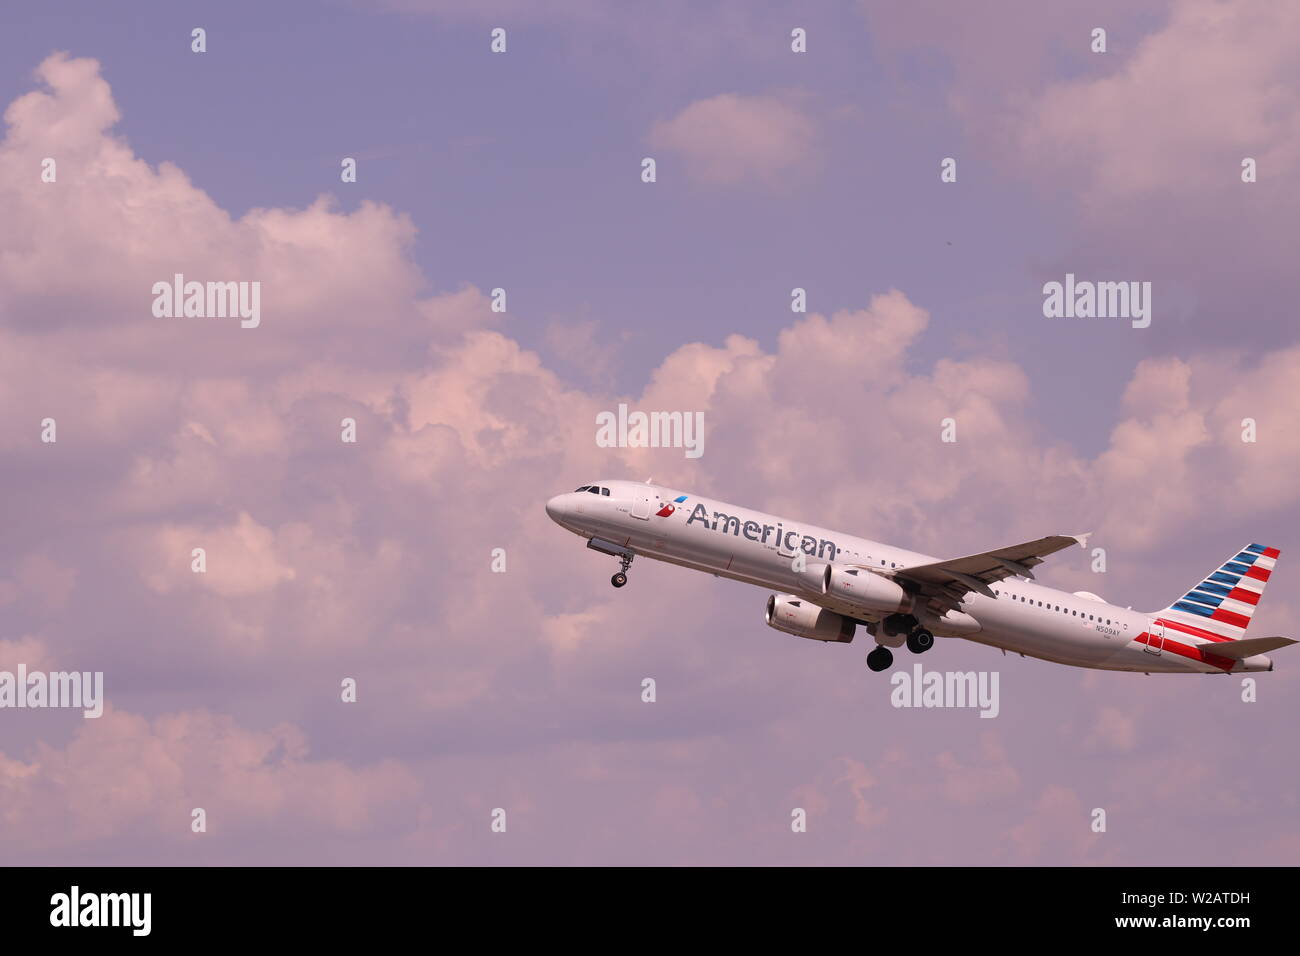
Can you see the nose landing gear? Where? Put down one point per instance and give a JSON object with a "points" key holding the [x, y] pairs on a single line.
{"points": [[620, 577], [623, 554]]}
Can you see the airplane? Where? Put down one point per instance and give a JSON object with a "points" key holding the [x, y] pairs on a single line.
{"points": [[828, 584]]}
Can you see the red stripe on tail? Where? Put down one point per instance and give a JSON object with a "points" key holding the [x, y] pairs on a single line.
{"points": [[1229, 617], [1244, 596]]}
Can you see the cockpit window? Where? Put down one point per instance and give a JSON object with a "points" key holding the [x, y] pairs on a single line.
{"points": [[594, 490], [583, 488], [605, 492]]}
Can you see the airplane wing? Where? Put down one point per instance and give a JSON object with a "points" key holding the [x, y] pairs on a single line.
{"points": [[946, 583]]}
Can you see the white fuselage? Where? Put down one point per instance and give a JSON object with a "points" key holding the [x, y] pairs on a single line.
{"points": [[746, 545]]}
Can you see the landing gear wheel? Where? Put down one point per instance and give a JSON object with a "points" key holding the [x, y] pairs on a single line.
{"points": [[880, 659], [920, 641], [620, 579]]}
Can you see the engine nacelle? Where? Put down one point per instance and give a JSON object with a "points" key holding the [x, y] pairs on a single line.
{"points": [[813, 576], [794, 615], [865, 589]]}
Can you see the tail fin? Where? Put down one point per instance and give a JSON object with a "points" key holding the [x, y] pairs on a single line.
{"points": [[1220, 607]]}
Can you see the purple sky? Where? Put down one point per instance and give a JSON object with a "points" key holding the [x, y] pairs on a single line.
{"points": [[521, 690]]}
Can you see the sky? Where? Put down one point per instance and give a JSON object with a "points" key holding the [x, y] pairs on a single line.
{"points": [[521, 690]]}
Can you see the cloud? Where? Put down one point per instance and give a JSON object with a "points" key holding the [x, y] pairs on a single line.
{"points": [[1141, 147], [123, 774], [1057, 828], [732, 139], [1114, 730], [993, 777], [29, 650], [1218, 82], [341, 282], [477, 689], [46, 582], [238, 560]]}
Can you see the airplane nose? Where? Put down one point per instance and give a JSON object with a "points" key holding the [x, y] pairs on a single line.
{"points": [[555, 508]]}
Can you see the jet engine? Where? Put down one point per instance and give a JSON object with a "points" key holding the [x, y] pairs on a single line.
{"points": [[794, 615], [865, 589]]}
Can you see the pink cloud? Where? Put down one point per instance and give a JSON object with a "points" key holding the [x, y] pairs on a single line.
{"points": [[122, 773], [732, 139], [480, 689]]}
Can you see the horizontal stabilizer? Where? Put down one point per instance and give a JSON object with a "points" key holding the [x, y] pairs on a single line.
{"points": [[1240, 650]]}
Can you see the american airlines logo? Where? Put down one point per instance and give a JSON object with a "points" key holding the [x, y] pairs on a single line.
{"points": [[779, 536], [669, 508]]}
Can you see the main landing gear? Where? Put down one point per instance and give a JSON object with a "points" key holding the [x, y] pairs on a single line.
{"points": [[620, 577], [919, 640]]}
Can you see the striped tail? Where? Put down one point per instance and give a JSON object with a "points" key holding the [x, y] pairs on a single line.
{"points": [[1220, 607]]}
